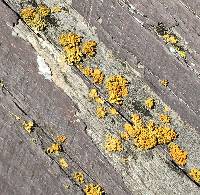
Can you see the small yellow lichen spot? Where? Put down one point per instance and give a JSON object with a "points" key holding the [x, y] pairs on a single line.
{"points": [[151, 125], [165, 118], [124, 135], [28, 126], [166, 109], [93, 94], [170, 38], [78, 177], [87, 71], [93, 189], [43, 10], [165, 135], [101, 112], [150, 103], [113, 111], [89, 48], [97, 76], [182, 53], [69, 40], [56, 9], [60, 138], [99, 100], [177, 154], [73, 54], [27, 13], [63, 163], [131, 131], [164, 83], [55, 148], [195, 174], [117, 87], [113, 144], [146, 140]]}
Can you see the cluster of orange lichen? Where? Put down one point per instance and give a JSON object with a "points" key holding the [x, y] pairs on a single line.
{"points": [[147, 136], [177, 154], [117, 87], [78, 177], [195, 174], [93, 189], [60, 138], [71, 44], [113, 144], [101, 112], [150, 103], [28, 126], [36, 18]]}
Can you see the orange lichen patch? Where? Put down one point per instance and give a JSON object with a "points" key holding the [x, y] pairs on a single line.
{"points": [[70, 40], [113, 144], [145, 140], [131, 131], [195, 174], [117, 87], [177, 154], [28, 13], [73, 54], [164, 83], [43, 10], [93, 189], [63, 163], [165, 118], [28, 126], [113, 111], [150, 103], [93, 94], [60, 138], [55, 148], [97, 76], [78, 177], [89, 48], [101, 112], [165, 135], [56, 9]]}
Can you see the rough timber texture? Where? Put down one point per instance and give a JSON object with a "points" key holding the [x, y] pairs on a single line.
{"points": [[117, 25], [27, 94], [26, 169]]}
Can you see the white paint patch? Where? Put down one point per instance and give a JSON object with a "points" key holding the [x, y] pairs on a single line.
{"points": [[43, 68]]}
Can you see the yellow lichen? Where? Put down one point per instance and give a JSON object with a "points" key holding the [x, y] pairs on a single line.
{"points": [[56, 9], [195, 174], [63, 163], [89, 48], [43, 10], [73, 54], [93, 189], [113, 144], [97, 76], [99, 100], [101, 112], [78, 177], [165, 135], [165, 118], [131, 131], [36, 18], [151, 125], [177, 154], [87, 71], [164, 83], [28, 126], [93, 94], [55, 148], [146, 140], [150, 103], [117, 87], [166, 109], [169, 38], [69, 39], [124, 135], [113, 111], [60, 138]]}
